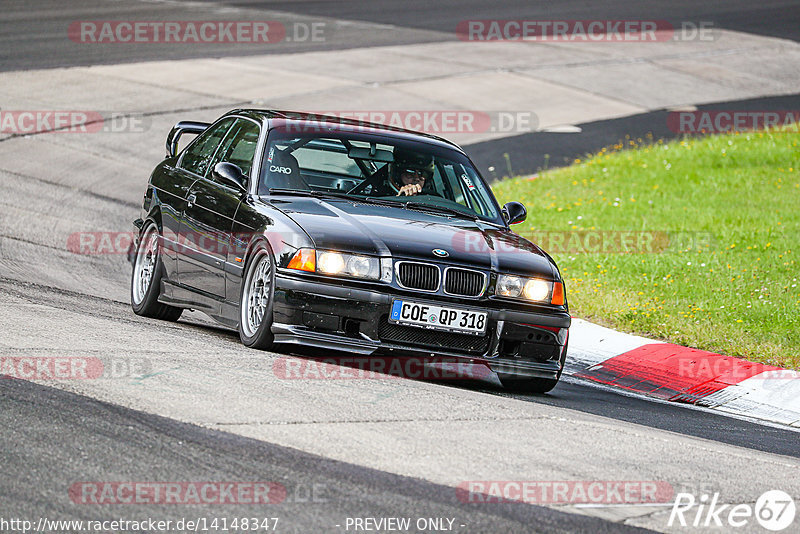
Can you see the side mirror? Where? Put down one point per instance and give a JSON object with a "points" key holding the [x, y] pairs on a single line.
{"points": [[230, 174], [514, 212]]}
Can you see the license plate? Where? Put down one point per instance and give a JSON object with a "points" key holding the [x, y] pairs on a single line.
{"points": [[438, 317]]}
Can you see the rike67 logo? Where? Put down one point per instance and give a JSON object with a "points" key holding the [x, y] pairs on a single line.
{"points": [[774, 510]]}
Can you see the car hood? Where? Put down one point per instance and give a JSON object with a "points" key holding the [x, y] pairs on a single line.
{"points": [[351, 226]]}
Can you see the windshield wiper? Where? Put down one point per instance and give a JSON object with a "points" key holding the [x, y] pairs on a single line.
{"points": [[422, 206], [381, 201], [310, 193], [333, 194]]}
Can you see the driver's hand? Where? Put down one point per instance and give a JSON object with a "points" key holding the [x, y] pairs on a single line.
{"points": [[410, 189]]}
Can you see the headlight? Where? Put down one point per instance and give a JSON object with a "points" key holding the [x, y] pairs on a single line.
{"points": [[536, 289], [340, 264], [330, 262], [509, 286], [532, 289], [359, 266]]}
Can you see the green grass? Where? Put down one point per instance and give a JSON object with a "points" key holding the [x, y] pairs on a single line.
{"points": [[723, 271]]}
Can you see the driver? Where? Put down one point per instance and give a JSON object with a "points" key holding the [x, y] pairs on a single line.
{"points": [[408, 174]]}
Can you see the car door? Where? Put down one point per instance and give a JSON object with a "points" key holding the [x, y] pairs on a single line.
{"points": [[172, 184], [210, 210]]}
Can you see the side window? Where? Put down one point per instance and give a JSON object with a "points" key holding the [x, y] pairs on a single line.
{"points": [[198, 155], [456, 185], [239, 146], [473, 193], [437, 184]]}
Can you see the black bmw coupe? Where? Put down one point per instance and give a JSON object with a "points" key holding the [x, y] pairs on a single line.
{"points": [[349, 236]]}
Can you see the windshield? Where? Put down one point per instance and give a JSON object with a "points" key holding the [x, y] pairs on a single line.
{"points": [[372, 167]]}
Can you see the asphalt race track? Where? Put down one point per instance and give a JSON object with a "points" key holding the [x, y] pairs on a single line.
{"points": [[32, 40], [189, 403], [320, 492]]}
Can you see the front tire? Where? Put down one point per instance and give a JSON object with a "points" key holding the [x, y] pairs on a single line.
{"points": [[146, 278], [255, 303]]}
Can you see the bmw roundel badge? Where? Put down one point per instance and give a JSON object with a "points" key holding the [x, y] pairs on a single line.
{"points": [[440, 252]]}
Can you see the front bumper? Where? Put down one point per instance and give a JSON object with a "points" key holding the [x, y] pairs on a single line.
{"points": [[338, 317]]}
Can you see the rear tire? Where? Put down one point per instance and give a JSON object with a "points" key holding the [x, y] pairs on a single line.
{"points": [[146, 278], [535, 385], [256, 299]]}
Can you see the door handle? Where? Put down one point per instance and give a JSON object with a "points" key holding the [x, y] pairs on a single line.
{"points": [[192, 198]]}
